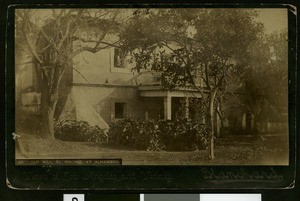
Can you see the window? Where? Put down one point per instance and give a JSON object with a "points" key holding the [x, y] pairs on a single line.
{"points": [[118, 61], [118, 58], [120, 110]]}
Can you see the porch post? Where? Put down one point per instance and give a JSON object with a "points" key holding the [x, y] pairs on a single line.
{"points": [[186, 107], [167, 107]]}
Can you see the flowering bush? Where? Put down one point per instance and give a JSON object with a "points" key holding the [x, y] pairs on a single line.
{"points": [[72, 130], [177, 135]]}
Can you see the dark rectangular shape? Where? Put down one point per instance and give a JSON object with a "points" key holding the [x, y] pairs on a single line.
{"points": [[171, 197], [118, 58], [120, 110]]}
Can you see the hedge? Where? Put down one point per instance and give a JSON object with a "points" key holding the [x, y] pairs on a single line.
{"points": [[155, 135], [72, 130]]}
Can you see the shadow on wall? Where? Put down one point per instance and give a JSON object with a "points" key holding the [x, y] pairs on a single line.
{"points": [[122, 102], [97, 104]]}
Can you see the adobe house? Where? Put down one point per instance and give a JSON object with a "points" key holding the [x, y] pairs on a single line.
{"points": [[102, 88], [107, 90]]}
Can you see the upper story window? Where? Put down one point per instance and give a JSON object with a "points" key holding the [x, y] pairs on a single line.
{"points": [[118, 61], [118, 58]]}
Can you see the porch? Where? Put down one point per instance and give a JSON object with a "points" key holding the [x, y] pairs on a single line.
{"points": [[176, 103]]}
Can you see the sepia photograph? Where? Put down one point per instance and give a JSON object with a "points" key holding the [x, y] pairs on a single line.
{"points": [[151, 86]]}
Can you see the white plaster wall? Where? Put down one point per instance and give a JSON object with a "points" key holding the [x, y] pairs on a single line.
{"points": [[94, 104], [98, 68]]}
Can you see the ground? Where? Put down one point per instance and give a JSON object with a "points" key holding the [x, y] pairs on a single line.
{"points": [[229, 150]]}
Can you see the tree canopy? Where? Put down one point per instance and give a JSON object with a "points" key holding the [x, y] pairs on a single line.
{"points": [[267, 79], [192, 46]]}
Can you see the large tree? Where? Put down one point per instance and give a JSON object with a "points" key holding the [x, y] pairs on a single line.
{"points": [[190, 46], [266, 80], [52, 38]]}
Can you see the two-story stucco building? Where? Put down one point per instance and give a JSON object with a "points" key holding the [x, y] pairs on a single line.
{"points": [[104, 88]]}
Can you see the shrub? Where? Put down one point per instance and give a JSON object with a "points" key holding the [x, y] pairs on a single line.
{"points": [[72, 130], [183, 135], [135, 134], [175, 135]]}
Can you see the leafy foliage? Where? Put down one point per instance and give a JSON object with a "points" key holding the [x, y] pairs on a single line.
{"points": [[264, 77], [142, 135], [273, 66], [190, 44], [71, 130], [176, 135], [193, 46], [184, 135]]}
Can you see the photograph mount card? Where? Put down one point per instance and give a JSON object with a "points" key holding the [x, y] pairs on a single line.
{"points": [[111, 95]]}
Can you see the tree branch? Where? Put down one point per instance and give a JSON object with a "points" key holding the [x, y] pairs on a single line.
{"points": [[24, 63], [91, 49], [206, 75], [97, 41], [106, 30], [80, 74], [23, 48], [38, 73], [32, 50], [166, 44], [67, 32], [65, 35], [192, 81], [46, 36]]}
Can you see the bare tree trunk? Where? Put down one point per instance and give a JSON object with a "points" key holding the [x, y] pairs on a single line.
{"points": [[47, 112], [211, 116]]}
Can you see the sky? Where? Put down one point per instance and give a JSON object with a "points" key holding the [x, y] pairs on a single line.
{"points": [[274, 20]]}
